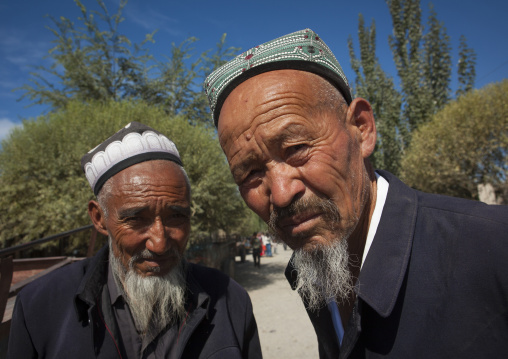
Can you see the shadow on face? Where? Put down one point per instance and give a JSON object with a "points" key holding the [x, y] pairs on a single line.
{"points": [[285, 144], [148, 215]]}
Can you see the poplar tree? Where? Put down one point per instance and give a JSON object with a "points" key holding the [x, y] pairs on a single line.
{"points": [[373, 84], [437, 63], [405, 43], [422, 57], [466, 67]]}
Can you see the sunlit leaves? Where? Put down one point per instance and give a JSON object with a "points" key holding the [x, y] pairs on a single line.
{"points": [[43, 190], [465, 144]]}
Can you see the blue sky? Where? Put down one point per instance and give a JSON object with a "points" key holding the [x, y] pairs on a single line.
{"points": [[24, 39]]}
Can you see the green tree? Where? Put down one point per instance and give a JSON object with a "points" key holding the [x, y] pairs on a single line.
{"points": [[423, 63], [174, 83], [437, 63], [464, 145], [90, 61], [373, 84], [210, 61], [249, 224], [466, 68], [93, 61], [405, 43], [422, 59], [43, 190]]}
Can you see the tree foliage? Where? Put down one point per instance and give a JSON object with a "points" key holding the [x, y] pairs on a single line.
{"points": [[92, 61], [423, 62], [464, 145], [374, 85], [437, 63], [466, 68], [43, 190], [405, 43]]}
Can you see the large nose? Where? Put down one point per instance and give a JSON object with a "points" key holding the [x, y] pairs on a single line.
{"points": [[157, 241], [285, 184]]}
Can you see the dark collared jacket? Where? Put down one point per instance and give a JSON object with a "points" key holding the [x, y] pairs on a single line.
{"points": [[67, 314], [434, 283]]}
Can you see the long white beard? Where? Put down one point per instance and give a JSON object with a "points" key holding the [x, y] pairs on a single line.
{"points": [[323, 274], [154, 301]]}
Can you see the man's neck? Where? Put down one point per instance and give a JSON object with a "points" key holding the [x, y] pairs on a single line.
{"points": [[356, 242], [356, 245]]}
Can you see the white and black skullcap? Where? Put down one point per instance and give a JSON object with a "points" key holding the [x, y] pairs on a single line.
{"points": [[133, 144]]}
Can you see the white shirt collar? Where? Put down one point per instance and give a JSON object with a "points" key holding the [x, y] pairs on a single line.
{"points": [[382, 191]]}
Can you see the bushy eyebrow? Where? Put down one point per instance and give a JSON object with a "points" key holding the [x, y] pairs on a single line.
{"points": [[135, 211], [185, 210], [289, 133], [240, 168], [131, 212]]}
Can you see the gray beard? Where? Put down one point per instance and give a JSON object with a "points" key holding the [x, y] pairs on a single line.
{"points": [[323, 274], [154, 301]]}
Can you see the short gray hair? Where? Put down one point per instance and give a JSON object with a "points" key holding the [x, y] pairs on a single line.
{"points": [[329, 97]]}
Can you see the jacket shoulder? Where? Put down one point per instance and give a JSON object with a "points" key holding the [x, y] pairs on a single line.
{"points": [[62, 279], [442, 204], [465, 207]]}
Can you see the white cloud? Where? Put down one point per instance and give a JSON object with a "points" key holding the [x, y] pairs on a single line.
{"points": [[21, 50], [18, 56], [151, 20], [6, 125]]}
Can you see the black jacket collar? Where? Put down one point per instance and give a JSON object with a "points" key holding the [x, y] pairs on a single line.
{"points": [[389, 255]]}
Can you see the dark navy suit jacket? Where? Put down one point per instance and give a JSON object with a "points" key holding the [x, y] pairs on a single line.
{"points": [[67, 314], [434, 283]]}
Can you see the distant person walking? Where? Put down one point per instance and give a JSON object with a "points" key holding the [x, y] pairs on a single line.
{"points": [[267, 241], [255, 243]]}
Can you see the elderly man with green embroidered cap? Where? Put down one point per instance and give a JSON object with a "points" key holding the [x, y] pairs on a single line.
{"points": [[383, 270], [137, 297]]}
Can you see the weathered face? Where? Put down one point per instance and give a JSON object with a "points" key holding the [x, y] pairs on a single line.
{"points": [[149, 209], [286, 153]]}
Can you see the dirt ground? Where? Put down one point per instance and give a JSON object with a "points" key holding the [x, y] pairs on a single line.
{"points": [[284, 328]]}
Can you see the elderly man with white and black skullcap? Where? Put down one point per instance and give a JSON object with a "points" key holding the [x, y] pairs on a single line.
{"points": [[137, 297]]}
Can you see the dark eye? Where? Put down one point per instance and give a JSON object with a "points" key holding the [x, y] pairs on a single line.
{"points": [[296, 148], [136, 221], [176, 219], [252, 178], [295, 155]]}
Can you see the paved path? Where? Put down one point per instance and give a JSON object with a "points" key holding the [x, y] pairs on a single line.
{"points": [[284, 328]]}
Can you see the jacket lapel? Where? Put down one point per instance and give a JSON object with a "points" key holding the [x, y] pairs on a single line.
{"points": [[389, 255], [385, 267], [93, 305], [197, 309]]}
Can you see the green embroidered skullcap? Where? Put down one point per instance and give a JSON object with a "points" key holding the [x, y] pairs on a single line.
{"points": [[302, 50]]}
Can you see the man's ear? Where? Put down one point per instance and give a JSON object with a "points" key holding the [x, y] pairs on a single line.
{"points": [[360, 115], [97, 217]]}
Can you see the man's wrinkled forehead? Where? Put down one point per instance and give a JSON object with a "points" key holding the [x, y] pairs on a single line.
{"points": [[259, 100]]}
